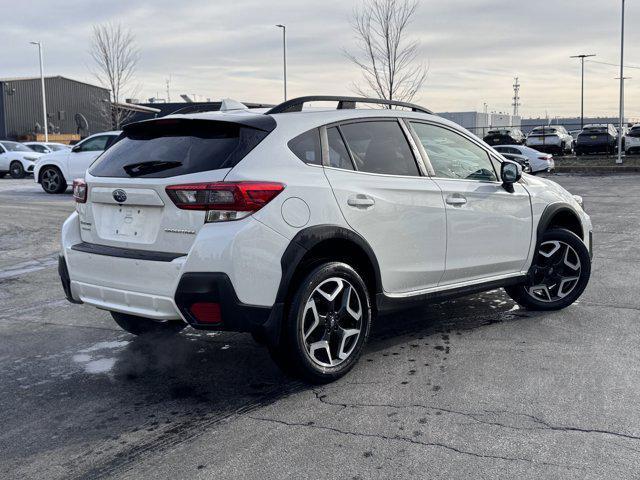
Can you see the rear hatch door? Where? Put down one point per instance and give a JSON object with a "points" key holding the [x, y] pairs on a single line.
{"points": [[128, 205]]}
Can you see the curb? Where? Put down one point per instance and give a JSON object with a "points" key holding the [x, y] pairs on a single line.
{"points": [[597, 169]]}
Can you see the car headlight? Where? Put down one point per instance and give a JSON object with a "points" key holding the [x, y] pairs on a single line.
{"points": [[579, 200]]}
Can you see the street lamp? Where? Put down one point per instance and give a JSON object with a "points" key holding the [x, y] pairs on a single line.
{"points": [[284, 56], [582, 57], [619, 159], [44, 98]]}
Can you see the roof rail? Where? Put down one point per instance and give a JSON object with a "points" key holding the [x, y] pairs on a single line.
{"points": [[295, 104]]}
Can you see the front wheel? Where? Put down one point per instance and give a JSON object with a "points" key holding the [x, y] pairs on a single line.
{"points": [[559, 274], [326, 326], [16, 170], [141, 325]]}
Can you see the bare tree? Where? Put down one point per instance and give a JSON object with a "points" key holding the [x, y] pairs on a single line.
{"points": [[115, 54], [386, 57]]}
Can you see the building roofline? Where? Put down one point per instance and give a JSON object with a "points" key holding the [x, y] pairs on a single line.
{"points": [[18, 79]]}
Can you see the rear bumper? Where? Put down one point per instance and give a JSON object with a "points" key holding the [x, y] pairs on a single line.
{"points": [[235, 265], [594, 148]]}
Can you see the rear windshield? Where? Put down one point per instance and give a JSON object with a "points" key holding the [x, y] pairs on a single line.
{"points": [[634, 132], [591, 130], [543, 131], [167, 148], [499, 132]]}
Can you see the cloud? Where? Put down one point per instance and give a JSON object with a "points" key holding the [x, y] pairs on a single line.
{"points": [[232, 48]]}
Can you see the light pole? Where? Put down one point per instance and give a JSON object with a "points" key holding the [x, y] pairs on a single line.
{"points": [[582, 57], [44, 98], [619, 159], [284, 56]]}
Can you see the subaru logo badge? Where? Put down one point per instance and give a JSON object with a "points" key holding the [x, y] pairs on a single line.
{"points": [[120, 195]]}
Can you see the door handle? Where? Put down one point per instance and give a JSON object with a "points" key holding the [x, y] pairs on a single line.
{"points": [[360, 201], [456, 200]]}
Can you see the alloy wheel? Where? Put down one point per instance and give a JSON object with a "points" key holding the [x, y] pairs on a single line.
{"points": [[555, 273], [331, 322], [16, 170], [51, 180]]}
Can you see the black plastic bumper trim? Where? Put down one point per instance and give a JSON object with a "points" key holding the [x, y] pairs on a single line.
{"points": [[126, 252], [217, 287], [64, 278]]}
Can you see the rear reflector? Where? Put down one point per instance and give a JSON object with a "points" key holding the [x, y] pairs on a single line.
{"points": [[224, 201], [80, 190], [206, 312]]}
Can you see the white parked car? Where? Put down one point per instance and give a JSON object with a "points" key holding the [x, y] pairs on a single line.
{"points": [[300, 226], [538, 161], [57, 170], [550, 139], [632, 140], [16, 159], [46, 147]]}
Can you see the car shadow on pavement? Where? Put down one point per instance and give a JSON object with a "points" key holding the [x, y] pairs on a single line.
{"points": [[171, 389]]}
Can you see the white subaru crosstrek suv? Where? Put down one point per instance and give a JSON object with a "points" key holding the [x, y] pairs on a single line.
{"points": [[300, 226]]}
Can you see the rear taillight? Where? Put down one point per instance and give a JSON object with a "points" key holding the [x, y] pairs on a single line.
{"points": [[80, 190], [224, 201]]}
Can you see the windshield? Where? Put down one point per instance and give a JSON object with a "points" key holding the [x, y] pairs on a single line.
{"points": [[15, 147], [55, 148]]}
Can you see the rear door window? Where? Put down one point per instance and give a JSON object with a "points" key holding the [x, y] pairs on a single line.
{"points": [[168, 148], [380, 147], [338, 153]]}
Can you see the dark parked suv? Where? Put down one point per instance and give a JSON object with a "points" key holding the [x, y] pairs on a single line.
{"points": [[505, 136], [597, 139]]}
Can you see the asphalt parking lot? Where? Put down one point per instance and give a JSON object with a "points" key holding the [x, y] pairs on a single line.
{"points": [[473, 388]]}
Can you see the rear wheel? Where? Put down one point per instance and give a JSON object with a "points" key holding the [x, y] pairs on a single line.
{"points": [[327, 324], [52, 180], [141, 325], [559, 273], [17, 170]]}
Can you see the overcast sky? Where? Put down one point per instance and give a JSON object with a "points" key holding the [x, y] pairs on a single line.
{"points": [[231, 48]]}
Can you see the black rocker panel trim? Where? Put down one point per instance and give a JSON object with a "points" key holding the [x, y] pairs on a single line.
{"points": [[126, 252]]}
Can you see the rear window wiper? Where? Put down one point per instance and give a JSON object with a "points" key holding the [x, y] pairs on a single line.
{"points": [[152, 166]]}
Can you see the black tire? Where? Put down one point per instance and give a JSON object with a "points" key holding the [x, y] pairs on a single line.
{"points": [[52, 180], [553, 272], [3, 174], [295, 353], [142, 326], [16, 170]]}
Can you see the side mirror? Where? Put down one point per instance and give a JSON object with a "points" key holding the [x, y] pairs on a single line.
{"points": [[510, 172], [76, 148]]}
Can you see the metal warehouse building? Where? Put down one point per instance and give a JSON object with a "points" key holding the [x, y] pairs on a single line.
{"points": [[73, 107]]}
